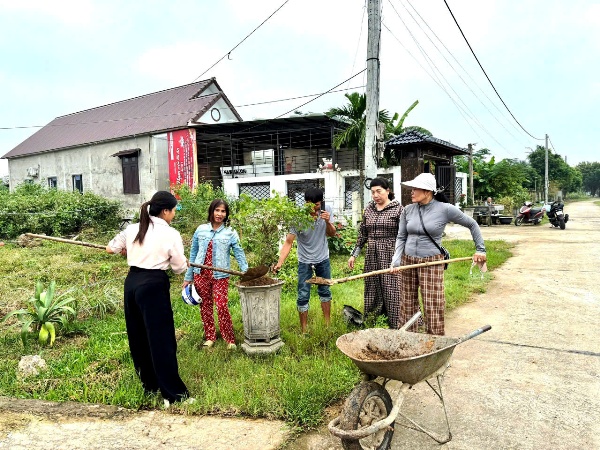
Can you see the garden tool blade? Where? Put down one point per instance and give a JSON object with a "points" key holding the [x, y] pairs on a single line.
{"points": [[254, 272]]}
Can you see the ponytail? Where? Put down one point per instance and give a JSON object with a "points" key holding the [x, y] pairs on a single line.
{"points": [[144, 223], [160, 201], [441, 197]]}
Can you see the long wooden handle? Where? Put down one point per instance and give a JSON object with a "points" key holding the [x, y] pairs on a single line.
{"points": [[65, 241], [411, 266], [217, 269]]}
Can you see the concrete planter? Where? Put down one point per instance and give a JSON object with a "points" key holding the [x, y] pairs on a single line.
{"points": [[260, 315], [468, 210]]}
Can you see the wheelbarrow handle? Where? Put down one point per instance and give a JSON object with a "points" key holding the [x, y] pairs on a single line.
{"points": [[476, 332], [412, 320]]}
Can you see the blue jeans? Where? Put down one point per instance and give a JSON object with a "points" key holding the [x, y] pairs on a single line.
{"points": [[305, 271]]}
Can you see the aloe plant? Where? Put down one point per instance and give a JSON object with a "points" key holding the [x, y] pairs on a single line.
{"points": [[44, 312]]}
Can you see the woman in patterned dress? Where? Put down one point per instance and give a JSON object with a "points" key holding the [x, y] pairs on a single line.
{"points": [[379, 230], [212, 245]]}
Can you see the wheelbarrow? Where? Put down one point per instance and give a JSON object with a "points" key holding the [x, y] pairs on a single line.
{"points": [[368, 417]]}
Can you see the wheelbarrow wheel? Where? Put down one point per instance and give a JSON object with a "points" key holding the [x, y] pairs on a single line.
{"points": [[368, 403]]}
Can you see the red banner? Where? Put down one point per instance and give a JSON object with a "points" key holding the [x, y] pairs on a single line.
{"points": [[182, 157]]}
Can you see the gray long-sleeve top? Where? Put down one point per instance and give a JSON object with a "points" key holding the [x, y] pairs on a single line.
{"points": [[413, 241]]}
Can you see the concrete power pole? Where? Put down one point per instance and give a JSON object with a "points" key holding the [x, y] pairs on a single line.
{"points": [[546, 175], [471, 191], [372, 113]]}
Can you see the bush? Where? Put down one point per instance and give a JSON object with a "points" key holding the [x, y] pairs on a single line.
{"points": [[344, 240], [33, 208], [193, 205]]}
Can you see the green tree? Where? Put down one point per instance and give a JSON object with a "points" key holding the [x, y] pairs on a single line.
{"points": [[560, 175], [590, 174], [354, 114]]}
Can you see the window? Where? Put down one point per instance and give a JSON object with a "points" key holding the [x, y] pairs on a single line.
{"points": [[52, 182], [78, 183], [131, 175], [262, 156]]}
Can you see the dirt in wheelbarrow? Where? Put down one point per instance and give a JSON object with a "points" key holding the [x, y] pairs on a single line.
{"points": [[373, 353]]}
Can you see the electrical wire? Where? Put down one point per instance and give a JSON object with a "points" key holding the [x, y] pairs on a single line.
{"points": [[486, 75], [454, 69], [228, 54], [434, 68], [436, 81]]}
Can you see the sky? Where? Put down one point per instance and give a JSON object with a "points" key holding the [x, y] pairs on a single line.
{"points": [[65, 56]]}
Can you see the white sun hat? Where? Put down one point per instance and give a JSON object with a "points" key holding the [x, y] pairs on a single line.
{"points": [[190, 295], [424, 181]]}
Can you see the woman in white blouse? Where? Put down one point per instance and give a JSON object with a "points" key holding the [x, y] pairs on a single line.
{"points": [[151, 246]]}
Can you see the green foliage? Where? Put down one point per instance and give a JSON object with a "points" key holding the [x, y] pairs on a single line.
{"points": [[194, 205], [344, 240], [45, 310], [33, 208], [590, 172], [263, 223]]}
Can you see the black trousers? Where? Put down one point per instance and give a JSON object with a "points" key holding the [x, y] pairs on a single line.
{"points": [[151, 332]]}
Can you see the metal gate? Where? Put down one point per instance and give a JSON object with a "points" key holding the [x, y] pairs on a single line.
{"points": [[445, 177]]}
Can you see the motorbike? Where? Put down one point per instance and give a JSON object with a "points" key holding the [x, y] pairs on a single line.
{"points": [[556, 215], [529, 214]]}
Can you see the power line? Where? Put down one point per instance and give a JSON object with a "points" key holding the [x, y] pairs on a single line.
{"points": [[454, 69], [436, 81], [486, 75], [228, 54]]}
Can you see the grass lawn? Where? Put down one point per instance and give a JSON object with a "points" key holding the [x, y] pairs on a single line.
{"points": [[90, 359]]}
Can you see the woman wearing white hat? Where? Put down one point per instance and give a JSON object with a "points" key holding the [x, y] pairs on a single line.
{"points": [[419, 240]]}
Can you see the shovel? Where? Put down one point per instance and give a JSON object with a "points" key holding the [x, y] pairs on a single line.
{"points": [[331, 282], [250, 274], [65, 241]]}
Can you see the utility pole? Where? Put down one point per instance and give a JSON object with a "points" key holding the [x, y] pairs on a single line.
{"points": [[372, 113], [471, 191], [546, 175]]}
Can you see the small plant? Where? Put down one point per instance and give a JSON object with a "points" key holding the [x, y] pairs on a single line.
{"points": [[344, 240], [462, 202], [45, 311]]}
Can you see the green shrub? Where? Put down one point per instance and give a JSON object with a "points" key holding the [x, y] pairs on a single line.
{"points": [[344, 240], [263, 223], [193, 205], [33, 208]]}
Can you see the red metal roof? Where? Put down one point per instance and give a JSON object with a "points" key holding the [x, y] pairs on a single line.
{"points": [[152, 113]]}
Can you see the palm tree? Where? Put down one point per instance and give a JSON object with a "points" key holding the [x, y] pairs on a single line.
{"points": [[354, 114], [392, 129]]}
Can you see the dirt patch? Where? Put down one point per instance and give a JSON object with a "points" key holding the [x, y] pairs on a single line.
{"points": [[262, 281]]}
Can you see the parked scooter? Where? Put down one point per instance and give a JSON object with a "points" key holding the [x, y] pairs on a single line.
{"points": [[556, 215], [529, 214]]}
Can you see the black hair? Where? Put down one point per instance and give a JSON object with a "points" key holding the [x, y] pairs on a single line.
{"points": [[313, 195], [382, 182], [213, 205], [160, 201]]}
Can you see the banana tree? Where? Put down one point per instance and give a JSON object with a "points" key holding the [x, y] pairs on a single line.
{"points": [[44, 312]]}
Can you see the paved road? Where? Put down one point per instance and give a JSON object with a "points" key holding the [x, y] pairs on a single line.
{"points": [[533, 381]]}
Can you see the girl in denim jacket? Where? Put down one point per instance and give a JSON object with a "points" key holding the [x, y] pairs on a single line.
{"points": [[212, 245]]}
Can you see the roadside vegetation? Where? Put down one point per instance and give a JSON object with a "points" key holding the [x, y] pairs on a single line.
{"points": [[84, 343]]}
